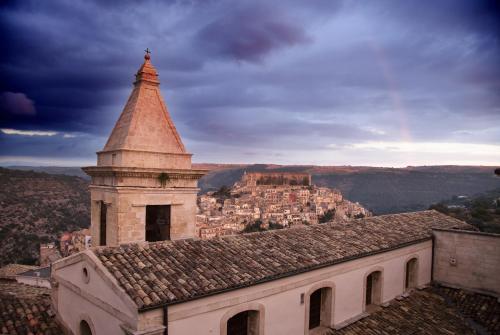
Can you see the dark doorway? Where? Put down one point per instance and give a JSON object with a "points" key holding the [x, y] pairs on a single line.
{"points": [[369, 286], [315, 309], [102, 225], [85, 328], [238, 324], [157, 223], [373, 288], [411, 273]]}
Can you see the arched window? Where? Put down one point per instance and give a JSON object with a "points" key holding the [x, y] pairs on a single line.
{"points": [[320, 308], [411, 273], [85, 328], [244, 323], [373, 288]]}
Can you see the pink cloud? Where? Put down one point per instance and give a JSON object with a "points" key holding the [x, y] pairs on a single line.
{"points": [[16, 104]]}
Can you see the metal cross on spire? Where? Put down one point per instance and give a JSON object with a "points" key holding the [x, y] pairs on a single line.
{"points": [[147, 51]]}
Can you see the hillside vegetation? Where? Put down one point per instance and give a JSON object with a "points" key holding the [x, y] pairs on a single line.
{"points": [[482, 211], [36, 208]]}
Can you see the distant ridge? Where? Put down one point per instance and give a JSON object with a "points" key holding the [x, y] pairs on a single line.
{"points": [[65, 170], [383, 190]]}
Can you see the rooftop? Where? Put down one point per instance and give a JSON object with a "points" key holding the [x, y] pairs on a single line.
{"points": [[26, 310], [10, 271], [432, 311], [167, 272]]}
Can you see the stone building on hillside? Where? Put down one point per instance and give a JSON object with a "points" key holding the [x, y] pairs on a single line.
{"points": [[49, 253], [273, 204], [72, 242], [276, 178], [148, 275]]}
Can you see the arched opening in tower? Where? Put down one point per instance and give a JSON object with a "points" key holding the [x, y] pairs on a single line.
{"points": [[157, 223]]}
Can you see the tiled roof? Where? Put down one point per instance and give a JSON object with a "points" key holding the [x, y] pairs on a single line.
{"points": [[423, 312], [10, 271], [483, 309], [167, 272], [26, 310]]}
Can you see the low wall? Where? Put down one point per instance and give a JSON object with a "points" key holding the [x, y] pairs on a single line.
{"points": [[467, 259], [34, 281]]}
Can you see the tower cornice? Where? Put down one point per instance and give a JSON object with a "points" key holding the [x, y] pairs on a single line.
{"points": [[120, 172]]}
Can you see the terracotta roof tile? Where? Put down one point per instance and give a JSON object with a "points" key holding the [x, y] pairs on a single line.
{"points": [[423, 312], [483, 309], [26, 310], [190, 269], [10, 271]]}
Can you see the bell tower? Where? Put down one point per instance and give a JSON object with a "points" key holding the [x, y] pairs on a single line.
{"points": [[143, 187]]}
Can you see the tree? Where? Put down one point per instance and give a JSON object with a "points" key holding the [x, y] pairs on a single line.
{"points": [[328, 216], [440, 207], [253, 227], [223, 191], [274, 225], [305, 181]]}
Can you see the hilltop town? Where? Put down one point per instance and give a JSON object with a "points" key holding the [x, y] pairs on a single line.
{"points": [[271, 200]]}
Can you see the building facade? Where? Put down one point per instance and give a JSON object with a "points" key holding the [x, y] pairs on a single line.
{"points": [[143, 187], [295, 281]]}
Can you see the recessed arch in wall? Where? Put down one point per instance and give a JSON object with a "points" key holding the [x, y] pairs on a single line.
{"points": [[319, 305], [373, 287], [411, 272], [251, 314], [85, 325]]}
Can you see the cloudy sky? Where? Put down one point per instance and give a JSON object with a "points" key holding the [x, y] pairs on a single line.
{"points": [[385, 83]]}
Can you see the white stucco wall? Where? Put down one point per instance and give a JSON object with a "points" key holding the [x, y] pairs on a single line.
{"points": [[281, 299], [97, 300], [34, 281], [102, 303], [73, 308]]}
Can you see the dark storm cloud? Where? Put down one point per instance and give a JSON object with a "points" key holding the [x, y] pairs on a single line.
{"points": [[16, 104], [277, 74], [237, 35]]}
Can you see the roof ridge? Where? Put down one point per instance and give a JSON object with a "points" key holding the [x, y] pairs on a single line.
{"points": [[182, 270], [285, 231]]}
